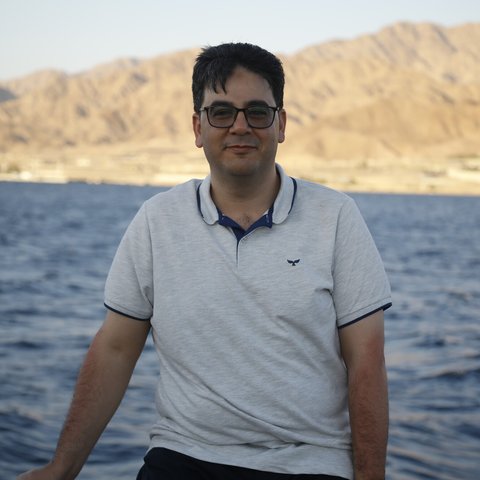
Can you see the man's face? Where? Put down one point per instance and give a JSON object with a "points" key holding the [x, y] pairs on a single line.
{"points": [[240, 150]]}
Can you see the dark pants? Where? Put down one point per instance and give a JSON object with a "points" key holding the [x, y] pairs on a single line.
{"points": [[163, 464]]}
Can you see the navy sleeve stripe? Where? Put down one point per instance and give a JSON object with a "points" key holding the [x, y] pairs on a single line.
{"points": [[126, 314], [387, 305]]}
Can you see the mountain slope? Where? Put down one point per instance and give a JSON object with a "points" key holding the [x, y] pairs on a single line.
{"points": [[408, 89]]}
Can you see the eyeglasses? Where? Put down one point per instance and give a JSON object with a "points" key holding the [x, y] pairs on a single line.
{"points": [[224, 116]]}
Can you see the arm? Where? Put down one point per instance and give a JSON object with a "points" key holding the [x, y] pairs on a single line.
{"points": [[362, 349], [100, 387]]}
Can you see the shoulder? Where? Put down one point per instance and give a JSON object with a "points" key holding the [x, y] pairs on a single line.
{"points": [[178, 193], [180, 198], [177, 202], [317, 197], [318, 192]]}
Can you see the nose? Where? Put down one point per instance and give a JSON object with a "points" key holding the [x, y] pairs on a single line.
{"points": [[240, 124]]}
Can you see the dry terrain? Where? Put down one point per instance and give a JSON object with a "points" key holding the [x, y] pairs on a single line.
{"points": [[394, 111]]}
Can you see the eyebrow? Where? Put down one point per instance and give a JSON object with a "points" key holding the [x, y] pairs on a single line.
{"points": [[251, 103]]}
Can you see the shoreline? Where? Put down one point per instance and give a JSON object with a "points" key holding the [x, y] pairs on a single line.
{"points": [[162, 166], [170, 180]]}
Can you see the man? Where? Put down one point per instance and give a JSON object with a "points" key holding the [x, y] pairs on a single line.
{"points": [[265, 295]]}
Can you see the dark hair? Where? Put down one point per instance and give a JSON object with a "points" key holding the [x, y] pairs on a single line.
{"points": [[214, 66]]}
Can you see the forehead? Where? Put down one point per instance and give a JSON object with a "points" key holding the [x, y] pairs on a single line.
{"points": [[242, 87]]}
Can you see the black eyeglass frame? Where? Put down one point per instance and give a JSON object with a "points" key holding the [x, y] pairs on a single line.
{"points": [[244, 110]]}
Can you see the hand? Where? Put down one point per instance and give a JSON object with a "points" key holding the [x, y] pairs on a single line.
{"points": [[48, 472]]}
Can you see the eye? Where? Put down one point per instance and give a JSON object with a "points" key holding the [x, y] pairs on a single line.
{"points": [[221, 112], [258, 112]]}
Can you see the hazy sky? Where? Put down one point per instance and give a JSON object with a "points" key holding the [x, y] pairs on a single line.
{"points": [[74, 35]]}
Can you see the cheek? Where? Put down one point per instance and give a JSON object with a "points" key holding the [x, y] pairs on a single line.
{"points": [[210, 139]]}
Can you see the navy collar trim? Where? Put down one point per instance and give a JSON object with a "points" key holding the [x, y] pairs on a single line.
{"points": [[265, 220], [294, 194], [277, 213], [199, 201]]}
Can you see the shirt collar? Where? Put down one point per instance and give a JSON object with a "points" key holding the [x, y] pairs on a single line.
{"points": [[281, 207]]}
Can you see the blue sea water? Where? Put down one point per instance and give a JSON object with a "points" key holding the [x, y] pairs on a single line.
{"points": [[56, 245]]}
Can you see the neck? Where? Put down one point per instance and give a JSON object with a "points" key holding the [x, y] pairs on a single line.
{"points": [[243, 200]]}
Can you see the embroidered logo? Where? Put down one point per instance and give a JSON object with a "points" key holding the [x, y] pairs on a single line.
{"points": [[293, 262]]}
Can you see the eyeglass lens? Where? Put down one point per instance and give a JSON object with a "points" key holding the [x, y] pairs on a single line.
{"points": [[224, 116]]}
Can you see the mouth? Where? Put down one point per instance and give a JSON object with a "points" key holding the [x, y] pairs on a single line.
{"points": [[240, 148]]}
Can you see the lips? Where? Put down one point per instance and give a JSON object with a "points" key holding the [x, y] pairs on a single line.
{"points": [[240, 147], [240, 150]]}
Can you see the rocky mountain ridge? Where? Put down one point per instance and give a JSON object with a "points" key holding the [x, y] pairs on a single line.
{"points": [[407, 91]]}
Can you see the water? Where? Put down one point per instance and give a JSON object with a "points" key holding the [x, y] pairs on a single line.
{"points": [[56, 245]]}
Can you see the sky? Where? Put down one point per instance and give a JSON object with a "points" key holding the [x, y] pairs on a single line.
{"points": [[75, 35]]}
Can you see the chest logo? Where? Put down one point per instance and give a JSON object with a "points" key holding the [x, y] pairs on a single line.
{"points": [[293, 262]]}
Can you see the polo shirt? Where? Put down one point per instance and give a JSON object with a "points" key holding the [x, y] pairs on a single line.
{"points": [[246, 327]]}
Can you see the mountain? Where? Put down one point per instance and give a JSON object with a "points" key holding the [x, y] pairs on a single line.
{"points": [[409, 90]]}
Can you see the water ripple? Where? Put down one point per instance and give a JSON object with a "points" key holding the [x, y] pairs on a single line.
{"points": [[56, 245]]}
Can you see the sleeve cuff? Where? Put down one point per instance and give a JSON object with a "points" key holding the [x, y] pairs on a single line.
{"points": [[383, 307], [126, 314]]}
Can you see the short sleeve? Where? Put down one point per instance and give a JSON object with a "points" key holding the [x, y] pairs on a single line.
{"points": [[129, 285], [360, 285]]}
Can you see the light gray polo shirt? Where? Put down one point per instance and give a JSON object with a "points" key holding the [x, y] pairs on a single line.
{"points": [[246, 331]]}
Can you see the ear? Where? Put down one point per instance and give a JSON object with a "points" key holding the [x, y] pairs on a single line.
{"points": [[282, 122], [197, 129]]}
